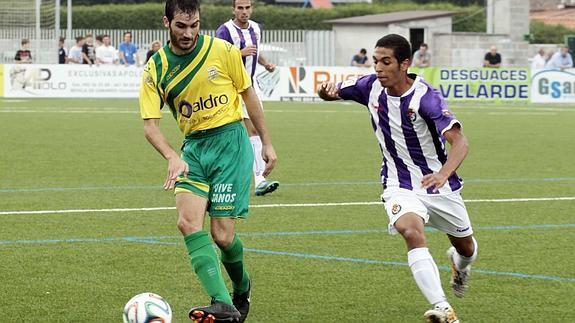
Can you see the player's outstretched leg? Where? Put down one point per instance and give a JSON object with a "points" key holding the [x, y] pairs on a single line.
{"points": [[461, 265], [233, 260]]}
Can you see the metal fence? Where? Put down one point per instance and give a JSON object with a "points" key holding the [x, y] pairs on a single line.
{"points": [[282, 47]]}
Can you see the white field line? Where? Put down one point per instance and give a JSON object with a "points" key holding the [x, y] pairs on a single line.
{"points": [[287, 205]]}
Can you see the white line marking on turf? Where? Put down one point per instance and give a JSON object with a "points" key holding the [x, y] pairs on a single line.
{"points": [[286, 205]]}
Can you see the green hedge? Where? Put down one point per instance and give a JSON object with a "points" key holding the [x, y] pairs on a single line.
{"points": [[548, 34], [149, 15]]}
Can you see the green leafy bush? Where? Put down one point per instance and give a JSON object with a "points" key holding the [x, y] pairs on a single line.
{"points": [[149, 15]]}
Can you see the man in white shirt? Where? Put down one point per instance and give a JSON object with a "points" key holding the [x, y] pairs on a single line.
{"points": [[539, 60], [75, 54], [561, 60], [106, 54]]}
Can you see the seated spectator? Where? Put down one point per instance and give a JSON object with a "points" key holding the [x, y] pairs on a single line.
{"points": [[88, 51], [62, 51], [156, 45], [76, 55], [106, 54], [421, 57], [560, 60], [492, 58], [360, 59], [99, 40], [539, 60], [23, 55], [128, 51]]}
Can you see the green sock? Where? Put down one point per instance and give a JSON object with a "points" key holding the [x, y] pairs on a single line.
{"points": [[205, 263], [233, 260]]}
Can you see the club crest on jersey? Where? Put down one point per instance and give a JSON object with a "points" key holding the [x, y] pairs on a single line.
{"points": [[396, 208], [447, 113], [212, 73], [411, 115]]}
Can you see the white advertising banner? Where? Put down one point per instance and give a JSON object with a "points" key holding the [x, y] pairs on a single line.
{"points": [[284, 84], [300, 83], [71, 81], [553, 86]]}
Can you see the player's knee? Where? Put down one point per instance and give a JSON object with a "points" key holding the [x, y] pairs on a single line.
{"points": [[187, 227], [414, 237], [222, 238]]}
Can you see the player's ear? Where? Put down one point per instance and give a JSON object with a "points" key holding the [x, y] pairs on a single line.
{"points": [[404, 66], [166, 22]]}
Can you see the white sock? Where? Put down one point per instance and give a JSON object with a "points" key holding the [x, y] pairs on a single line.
{"points": [[259, 164], [426, 275], [462, 262]]}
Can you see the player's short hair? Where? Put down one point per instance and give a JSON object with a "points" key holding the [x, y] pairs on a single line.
{"points": [[62, 39], [25, 41], [100, 37], [424, 45], [363, 51], [128, 33], [186, 6], [400, 46], [234, 3], [79, 38]]}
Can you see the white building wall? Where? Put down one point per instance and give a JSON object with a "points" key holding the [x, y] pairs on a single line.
{"points": [[349, 39], [469, 49]]}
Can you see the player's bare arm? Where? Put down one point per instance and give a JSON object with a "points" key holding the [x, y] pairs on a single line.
{"points": [[328, 91], [263, 62], [256, 114], [176, 166], [457, 153]]}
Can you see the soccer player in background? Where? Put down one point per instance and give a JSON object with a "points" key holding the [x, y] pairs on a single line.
{"points": [[412, 122], [246, 35], [200, 79]]}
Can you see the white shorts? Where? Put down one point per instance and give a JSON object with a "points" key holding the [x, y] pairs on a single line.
{"points": [[446, 213]]}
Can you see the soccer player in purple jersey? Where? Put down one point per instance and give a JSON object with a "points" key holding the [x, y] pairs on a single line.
{"points": [[412, 122], [246, 35]]}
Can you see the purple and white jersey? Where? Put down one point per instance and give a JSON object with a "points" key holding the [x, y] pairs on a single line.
{"points": [[241, 38], [409, 130]]}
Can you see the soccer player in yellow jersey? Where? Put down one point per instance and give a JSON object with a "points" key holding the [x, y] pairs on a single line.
{"points": [[200, 79]]}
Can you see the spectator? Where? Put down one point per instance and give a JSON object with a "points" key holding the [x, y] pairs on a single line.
{"points": [[492, 58], [106, 54], [62, 52], [560, 60], [99, 40], [539, 60], [75, 55], [421, 57], [360, 59], [23, 55], [156, 45], [128, 51], [88, 51]]}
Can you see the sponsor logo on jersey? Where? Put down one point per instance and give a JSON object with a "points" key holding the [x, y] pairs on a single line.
{"points": [[212, 73], [411, 115], [462, 230], [395, 209], [187, 108]]}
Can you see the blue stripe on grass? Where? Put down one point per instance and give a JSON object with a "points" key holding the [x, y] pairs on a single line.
{"points": [[337, 183]]}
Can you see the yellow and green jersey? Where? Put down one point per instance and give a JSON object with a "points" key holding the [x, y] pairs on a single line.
{"points": [[200, 88]]}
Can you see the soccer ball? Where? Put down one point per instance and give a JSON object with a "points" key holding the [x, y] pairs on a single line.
{"points": [[147, 308]]}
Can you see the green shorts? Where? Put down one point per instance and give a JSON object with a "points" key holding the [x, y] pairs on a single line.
{"points": [[220, 168]]}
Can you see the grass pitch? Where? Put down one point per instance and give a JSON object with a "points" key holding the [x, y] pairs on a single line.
{"points": [[324, 256]]}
